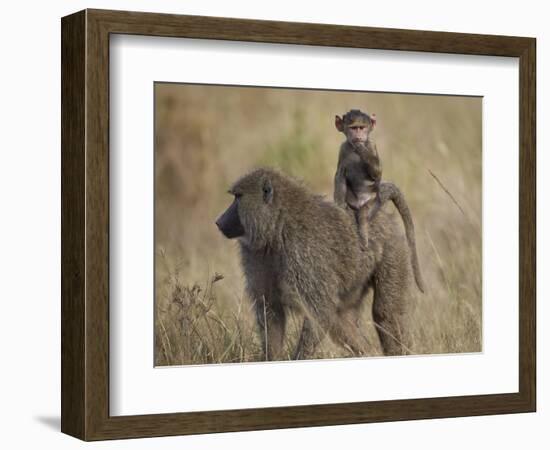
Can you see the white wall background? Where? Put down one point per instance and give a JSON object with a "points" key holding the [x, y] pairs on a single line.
{"points": [[30, 221]]}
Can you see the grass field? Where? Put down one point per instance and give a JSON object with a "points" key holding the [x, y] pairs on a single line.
{"points": [[208, 136]]}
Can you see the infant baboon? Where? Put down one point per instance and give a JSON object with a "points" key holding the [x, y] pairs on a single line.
{"points": [[358, 174], [301, 253], [357, 182]]}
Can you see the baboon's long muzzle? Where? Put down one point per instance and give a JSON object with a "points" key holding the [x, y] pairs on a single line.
{"points": [[229, 222]]}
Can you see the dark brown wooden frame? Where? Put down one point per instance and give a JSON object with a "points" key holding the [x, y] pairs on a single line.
{"points": [[85, 224]]}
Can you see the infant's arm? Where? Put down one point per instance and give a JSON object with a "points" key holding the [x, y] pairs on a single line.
{"points": [[369, 155], [340, 179]]}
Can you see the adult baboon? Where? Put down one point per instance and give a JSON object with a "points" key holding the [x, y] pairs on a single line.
{"points": [[300, 252]]}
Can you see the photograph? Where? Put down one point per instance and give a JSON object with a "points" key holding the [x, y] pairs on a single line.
{"points": [[305, 224], [277, 222]]}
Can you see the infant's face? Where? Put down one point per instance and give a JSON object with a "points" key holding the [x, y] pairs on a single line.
{"points": [[357, 134]]}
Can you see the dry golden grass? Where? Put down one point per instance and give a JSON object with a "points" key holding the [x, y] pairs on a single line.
{"points": [[207, 136]]}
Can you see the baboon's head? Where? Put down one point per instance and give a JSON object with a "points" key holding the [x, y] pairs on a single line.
{"points": [[253, 215]]}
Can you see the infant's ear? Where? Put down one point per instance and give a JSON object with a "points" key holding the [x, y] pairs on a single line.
{"points": [[339, 123], [373, 120]]}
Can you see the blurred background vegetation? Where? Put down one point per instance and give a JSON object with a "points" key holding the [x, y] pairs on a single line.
{"points": [[208, 136]]}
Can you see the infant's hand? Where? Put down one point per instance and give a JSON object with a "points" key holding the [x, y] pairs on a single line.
{"points": [[359, 147]]}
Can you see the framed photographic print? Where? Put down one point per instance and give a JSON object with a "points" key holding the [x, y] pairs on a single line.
{"points": [[271, 224]]}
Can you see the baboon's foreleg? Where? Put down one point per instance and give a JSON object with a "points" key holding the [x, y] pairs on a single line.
{"points": [[271, 319], [308, 341]]}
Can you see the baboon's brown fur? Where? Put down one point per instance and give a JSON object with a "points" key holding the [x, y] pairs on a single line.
{"points": [[303, 253]]}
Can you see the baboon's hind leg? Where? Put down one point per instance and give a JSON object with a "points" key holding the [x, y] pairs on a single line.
{"points": [[391, 307]]}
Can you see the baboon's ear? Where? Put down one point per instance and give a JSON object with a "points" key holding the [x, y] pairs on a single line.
{"points": [[267, 188], [339, 123]]}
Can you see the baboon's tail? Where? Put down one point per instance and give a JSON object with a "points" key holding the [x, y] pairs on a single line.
{"points": [[389, 191]]}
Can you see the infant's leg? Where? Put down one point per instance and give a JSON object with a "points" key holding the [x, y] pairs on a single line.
{"points": [[361, 216]]}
